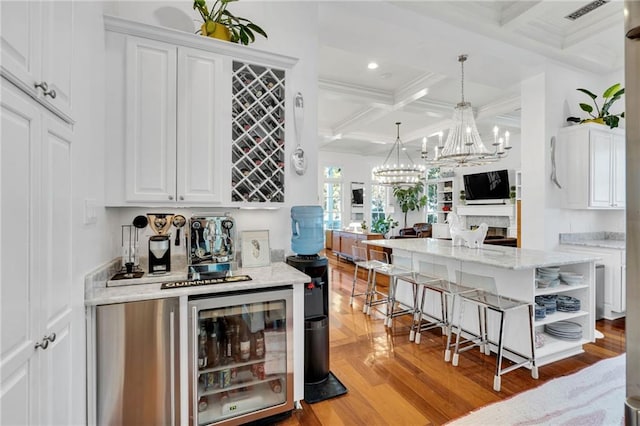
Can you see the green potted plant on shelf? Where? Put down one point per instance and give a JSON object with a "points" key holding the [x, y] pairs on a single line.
{"points": [[382, 225], [410, 198], [601, 114], [512, 194], [221, 24]]}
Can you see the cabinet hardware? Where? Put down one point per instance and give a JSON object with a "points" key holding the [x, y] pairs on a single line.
{"points": [[182, 198], [171, 197], [45, 88], [51, 338], [44, 344]]}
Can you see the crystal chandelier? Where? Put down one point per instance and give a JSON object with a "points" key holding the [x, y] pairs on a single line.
{"points": [[398, 174], [463, 146]]}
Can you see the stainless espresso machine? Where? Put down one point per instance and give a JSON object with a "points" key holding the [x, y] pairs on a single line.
{"points": [[210, 246]]}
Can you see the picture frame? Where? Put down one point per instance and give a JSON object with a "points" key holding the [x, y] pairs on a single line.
{"points": [[255, 248]]}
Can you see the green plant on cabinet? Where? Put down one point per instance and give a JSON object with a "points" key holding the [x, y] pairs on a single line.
{"points": [[602, 114], [382, 225], [222, 24]]}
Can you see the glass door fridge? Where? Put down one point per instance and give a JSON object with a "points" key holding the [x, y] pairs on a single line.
{"points": [[240, 356]]}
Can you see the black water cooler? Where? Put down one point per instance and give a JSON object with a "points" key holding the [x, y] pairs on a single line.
{"points": [[307, 237], [319, 382]]}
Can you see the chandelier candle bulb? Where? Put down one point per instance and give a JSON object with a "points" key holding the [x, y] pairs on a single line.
{"points": [[506, 140]]}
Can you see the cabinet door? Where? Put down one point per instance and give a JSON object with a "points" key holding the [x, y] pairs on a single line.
{"points": [[150, 154], [199, 112], [57, 295], [57, 51], [600, 176], [18, 258], [619, 171], [20, 41]]}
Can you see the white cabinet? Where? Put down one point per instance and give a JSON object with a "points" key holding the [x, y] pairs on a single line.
{"points": [[614, 277], [171, 150], [38, 350], [591, 164], [173, 111], [37, 51]]}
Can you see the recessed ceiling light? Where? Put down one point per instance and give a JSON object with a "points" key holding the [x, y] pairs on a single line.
{"points": [[372, 65]]}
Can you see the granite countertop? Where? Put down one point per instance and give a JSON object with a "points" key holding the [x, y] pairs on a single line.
{"points": [[608, 240], [499, 256], [276, 275]]}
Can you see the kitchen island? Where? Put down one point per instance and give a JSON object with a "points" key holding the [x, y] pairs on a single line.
{"points": [[159, 326], [514, 271]]}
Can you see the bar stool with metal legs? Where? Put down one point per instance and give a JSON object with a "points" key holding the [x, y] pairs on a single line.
{"points": [[361, 261], [384, 267], [446, 291], [487, 299], [418, 282]]}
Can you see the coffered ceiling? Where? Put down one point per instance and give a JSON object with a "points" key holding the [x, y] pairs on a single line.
{"points": [[417, 83]]}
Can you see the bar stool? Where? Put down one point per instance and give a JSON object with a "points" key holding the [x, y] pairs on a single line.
{"points": [[393, 272], [486, 298], [418, 282], [446, 291], [361, 261]]}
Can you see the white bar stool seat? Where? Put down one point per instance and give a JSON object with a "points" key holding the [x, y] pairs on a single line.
{"points": [[486, 298], [361, 261]]}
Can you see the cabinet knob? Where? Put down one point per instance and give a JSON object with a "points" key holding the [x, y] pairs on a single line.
{"points": [[171, 197], [44, 344], [182, 198], [51, 338], [45, 88]]}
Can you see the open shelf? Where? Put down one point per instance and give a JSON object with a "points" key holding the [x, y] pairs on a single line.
{"points": [[560, 316], [553, 345], [562, 288]]}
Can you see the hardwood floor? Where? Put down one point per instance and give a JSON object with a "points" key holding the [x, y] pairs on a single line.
{"points": [[393, 381]]}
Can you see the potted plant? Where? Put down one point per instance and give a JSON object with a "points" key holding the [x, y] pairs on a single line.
{"points": [[463, 196], [512, 194], [382, 225], [601, 114], [222, 24], [410, 199], [363, 226]]}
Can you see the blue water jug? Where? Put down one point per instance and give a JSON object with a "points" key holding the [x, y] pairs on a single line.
{"points": [[306, 230]]}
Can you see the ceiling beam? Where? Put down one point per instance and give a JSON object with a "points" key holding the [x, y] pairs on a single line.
{"points": [[519, 13], [501, 106], [415, 89], [368, 95], [359, 119]]}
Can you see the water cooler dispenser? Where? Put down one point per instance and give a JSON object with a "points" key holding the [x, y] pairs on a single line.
{"points": [[307, 238]]}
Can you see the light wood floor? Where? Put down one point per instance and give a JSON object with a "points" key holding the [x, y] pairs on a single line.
{"points": [[396, 382]]}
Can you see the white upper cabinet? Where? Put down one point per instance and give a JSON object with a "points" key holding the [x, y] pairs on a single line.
{"points": [[150, 108], [169, 119], [37, 51], [591, 162]]}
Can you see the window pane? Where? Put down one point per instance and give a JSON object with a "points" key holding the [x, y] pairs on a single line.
{"points": [[332, 206]]}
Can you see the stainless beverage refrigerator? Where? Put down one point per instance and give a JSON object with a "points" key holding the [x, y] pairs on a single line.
{"points": [[240, 357]]}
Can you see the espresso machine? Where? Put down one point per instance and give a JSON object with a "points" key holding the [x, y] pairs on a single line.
{"points": [[210, 246], [160, 243]]}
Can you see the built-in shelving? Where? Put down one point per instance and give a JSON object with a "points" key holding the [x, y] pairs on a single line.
{"points": [[258, 132]]}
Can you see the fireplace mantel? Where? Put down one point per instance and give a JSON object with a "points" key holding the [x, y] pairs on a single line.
{"points": [[487, 210]]}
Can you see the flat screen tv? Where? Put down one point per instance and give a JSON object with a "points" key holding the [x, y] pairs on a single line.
{"points": [[492, 185], [357, 197]]}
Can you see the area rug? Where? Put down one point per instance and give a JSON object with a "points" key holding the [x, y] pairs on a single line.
{"points": [[593, 396]]}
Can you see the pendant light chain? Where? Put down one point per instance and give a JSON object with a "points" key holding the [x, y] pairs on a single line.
{"points": [[461, 59]]}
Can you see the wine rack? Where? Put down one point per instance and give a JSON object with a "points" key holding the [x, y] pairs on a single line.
{"points": [[258, 132]]}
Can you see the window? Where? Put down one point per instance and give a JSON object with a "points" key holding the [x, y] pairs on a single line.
{"points": [[332, 198], [378, 202], [432, 195]]}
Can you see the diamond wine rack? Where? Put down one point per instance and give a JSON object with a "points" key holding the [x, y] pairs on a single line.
{"points": [[258, 109]]}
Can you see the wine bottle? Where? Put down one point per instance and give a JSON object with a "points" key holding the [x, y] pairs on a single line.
{"points": [[245, 343], [202, 348]]}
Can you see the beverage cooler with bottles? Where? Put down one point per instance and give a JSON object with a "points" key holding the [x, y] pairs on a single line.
{"points": [[240, 357]]}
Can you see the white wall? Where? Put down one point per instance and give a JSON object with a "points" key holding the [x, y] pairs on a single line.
{"points": [[547, 100], [292, 31]]}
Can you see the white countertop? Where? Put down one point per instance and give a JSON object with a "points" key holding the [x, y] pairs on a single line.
{"points": [[607, 243], [500, 256], [276, 275]]}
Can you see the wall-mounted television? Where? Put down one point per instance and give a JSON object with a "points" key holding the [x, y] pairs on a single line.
{"points": [[493, 185], [357, 197]]}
